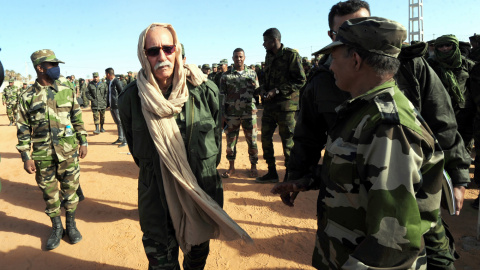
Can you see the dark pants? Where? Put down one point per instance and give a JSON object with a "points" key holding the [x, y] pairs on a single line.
{"points": [[286, 125], [116, 119]]}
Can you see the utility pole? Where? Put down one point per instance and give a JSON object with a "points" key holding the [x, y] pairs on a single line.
{"points": [[415, 20]]}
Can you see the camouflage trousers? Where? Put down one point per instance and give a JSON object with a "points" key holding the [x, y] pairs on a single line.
{"points": [[86, 101], [12, 112], [163, 257], [98, 116], [439, 243], [249, 126], [286, 125], [49, 173]]}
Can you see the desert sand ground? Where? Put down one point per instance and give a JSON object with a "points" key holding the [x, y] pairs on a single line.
{"points": [[108, 218]]}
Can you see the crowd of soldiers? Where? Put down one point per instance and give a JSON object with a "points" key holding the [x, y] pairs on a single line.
{"points": [[398, 123]]}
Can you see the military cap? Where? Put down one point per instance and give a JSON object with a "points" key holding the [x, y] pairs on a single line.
{"points": [[183, 50], [374, 34], [122, 76], [24, 83], [224, 62], [44, 55], [263, 63], [475, 38], [206, 66], [305, 60], [95, 74], [129, 72], [214, 65], [199, 66], [11, 80], [257, 66]]}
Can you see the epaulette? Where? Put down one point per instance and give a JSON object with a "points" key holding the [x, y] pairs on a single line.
{"points": [[387, 108]]}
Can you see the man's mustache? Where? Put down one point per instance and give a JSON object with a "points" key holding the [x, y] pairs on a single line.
{"points": [[163, 64]]}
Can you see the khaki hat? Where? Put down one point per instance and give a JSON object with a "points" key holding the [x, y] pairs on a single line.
{"points": [[95, 74], [214, 65], [206, 66], [374, 34], [44, 55], [224, 62]]}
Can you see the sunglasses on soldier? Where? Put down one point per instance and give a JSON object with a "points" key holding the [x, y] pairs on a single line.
{"points": [[154, 51]]}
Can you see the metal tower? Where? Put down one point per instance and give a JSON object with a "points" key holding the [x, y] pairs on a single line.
{"points": [[415, 20]]}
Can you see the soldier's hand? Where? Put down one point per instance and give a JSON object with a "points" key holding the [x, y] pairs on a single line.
{"points": [[458, 192], [288, 192], [82, 152], [29, 166]]}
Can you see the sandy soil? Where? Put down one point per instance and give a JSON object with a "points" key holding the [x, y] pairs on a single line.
{"points": [[108, 218]]}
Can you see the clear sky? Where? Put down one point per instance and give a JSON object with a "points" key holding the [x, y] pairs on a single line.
{"points": [[93, 35]]}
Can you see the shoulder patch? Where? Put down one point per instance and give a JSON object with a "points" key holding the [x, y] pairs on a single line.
{"points": [[387, 108]]}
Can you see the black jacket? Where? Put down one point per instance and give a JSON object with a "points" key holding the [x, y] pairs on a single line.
{"points": [[116, 89]]}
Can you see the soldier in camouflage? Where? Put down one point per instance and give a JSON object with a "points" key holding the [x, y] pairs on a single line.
{"points": [[381, 177], [82, 86], [222, 67], [284, 76], [10, 98], [237, 86], [123, 81], [50, 130], [206, 69], [212, 74], [97, 93], [129, 77]]}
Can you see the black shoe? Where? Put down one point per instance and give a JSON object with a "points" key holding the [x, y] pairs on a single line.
{"points": [[117, 141], [101, 129], [97, 131], [57, 233], [72, 230], [123, 144], [270, 177], [475, 203]]}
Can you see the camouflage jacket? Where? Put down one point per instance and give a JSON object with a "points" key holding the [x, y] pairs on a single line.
{"points": [[97, 94], [283, 71], [211, 76], [238, 89], [124, 83], [43, 114], [10, 95], [382, 173]]}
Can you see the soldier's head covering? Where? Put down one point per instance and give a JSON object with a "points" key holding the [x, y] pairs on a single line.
{"points": [[374, 34], [129, 72], [206, 66], [11, 80], [224, 62], [44, 55], [305, 61], [475, 38], [183, 51], [121, 76], [257, 66], [24, 83], [95, 74], [214, 65]]}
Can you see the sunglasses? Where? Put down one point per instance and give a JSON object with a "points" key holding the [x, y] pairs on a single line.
{"points": [[154, 51]]}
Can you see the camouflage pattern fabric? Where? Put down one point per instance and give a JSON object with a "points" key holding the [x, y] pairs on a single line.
{"points": [[44, 112], [124, 82], [48, 174], [283, 71], [97, 93], [249, 126], [382, 179], [98, 117], [238, 89], [83, 94], [212, 75], [10, 97], [286, 125]]}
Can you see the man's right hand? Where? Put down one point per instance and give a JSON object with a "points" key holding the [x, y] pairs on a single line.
{"points": [[29, 166]]}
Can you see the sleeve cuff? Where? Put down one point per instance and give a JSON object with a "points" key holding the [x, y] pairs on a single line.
{"points": [[25, 156]]}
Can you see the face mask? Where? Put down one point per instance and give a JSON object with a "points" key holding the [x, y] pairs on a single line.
{"points": [[53, 73]]}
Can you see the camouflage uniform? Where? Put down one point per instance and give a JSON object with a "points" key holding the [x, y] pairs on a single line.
{"points": [[10, 98], [379, 153], [97, 94], [239, 109], [123, 81], [83, 94], [284, 72], [44, 114]]}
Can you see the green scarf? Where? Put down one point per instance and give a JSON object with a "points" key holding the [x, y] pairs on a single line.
{"points": [[447, 62]]}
